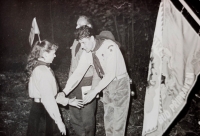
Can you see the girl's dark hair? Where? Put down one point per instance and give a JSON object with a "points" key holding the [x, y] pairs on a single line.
{"points": [[38, 49]]}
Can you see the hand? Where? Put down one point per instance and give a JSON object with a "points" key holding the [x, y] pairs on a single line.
{"points": [[61, 99], [76, 102], [89, 96], [61, 127]]}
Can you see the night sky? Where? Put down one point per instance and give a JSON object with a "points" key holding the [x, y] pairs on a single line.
{"points": [[16, 19]]}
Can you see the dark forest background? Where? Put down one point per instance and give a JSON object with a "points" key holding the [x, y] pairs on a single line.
{"points": [[131, 21]]}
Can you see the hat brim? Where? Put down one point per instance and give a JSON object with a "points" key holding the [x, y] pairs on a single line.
{"points": [[104, 37]]}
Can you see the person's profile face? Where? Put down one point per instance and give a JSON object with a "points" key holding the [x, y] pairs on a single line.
{"points": [[49, 56], [86, 44], [81, 22]]}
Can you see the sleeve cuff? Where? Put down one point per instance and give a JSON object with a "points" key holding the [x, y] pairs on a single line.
{"points": [[65, 101]]}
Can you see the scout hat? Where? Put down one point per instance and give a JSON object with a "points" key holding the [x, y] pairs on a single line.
{"points": [[108, 35]]}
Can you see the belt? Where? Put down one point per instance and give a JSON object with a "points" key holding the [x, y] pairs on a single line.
{"points": [[38, 100], [120, 76]]}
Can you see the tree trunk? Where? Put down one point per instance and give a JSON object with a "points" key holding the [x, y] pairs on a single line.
{"points": [[52, 31], [116, 27]]}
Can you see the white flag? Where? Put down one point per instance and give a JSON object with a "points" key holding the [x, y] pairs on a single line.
{"points": [[173, 70], [151, 106], [34, 30]]}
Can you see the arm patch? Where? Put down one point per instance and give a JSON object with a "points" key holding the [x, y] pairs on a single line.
{"points": [[110, 46]]}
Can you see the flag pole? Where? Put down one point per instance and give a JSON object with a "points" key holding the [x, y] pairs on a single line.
{"points": [[39, 38], [190, 11]]}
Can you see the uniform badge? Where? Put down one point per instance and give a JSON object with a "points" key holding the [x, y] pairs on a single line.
{"points": [[109, 47]]}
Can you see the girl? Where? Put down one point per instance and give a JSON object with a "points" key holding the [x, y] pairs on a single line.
{"points": [[44, 114]]}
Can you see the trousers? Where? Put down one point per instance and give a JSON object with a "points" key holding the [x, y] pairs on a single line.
{"points": [[83, 120], [116, 99], [40, 123]]}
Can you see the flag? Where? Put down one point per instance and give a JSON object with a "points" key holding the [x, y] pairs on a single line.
{"points": [[173, 69], [34, 30], [151, 107]]}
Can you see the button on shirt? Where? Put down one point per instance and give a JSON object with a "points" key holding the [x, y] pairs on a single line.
{"points": [[111, 60], [42, 84]]}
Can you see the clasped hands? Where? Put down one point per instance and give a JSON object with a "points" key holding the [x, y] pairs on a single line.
{"points": [[75, 102]]}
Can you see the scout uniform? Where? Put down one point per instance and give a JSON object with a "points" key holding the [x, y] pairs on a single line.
{"points": [[82, 120], [115, 82]]}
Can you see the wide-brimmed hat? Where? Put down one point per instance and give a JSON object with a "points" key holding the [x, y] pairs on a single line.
{"points": [[108, 35]]}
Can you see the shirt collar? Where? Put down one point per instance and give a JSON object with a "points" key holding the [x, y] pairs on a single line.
{"points": [[39, 62]]}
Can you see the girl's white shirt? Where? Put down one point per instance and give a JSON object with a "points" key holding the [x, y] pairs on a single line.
{"points": [[42, 84]]}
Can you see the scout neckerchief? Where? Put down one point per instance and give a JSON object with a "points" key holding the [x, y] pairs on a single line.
{"points": [[77, 48], [97, 65], [41, 63], [97, 37], [96, 62], [48, 65]]}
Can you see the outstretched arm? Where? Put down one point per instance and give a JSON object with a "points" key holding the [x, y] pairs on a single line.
{"points": [[64, 101], [111, 65], [76, 77]]}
